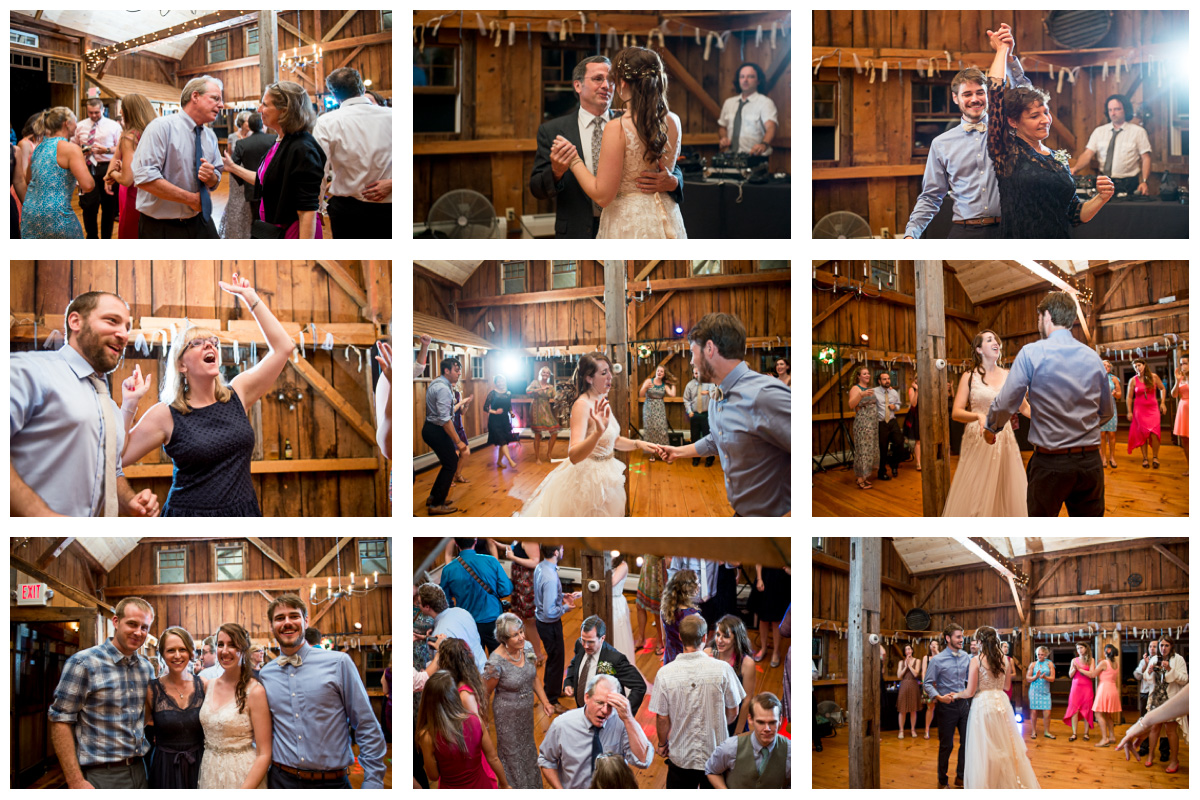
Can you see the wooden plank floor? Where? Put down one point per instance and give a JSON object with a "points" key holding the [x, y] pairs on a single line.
{"points": [[1129, 490], [1058, 764], [655, 776], [656, 489]]}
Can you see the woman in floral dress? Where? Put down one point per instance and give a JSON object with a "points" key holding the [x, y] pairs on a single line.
{"points": [[545, 422], [649, 596], [654, 410], [524, 557], [866, 429]]}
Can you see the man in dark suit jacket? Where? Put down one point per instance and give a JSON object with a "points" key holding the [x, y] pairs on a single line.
{"points": [[249, 153], [594, 656], [575, 216]]}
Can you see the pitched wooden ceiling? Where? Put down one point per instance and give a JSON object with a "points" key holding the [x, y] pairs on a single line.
{"points": [[120, 26], [109, 550], [983, 280], [936, 553], [457, 272]]}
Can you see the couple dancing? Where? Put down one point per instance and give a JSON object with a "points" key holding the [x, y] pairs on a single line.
{"points": [[971, 693], [618, 180], [1060, 384]]}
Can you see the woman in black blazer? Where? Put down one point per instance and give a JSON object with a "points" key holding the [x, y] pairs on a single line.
{"points": [[289, 179]]}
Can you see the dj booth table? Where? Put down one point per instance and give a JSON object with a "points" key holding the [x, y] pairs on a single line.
{"points": [[711, 209], [1119, 219]]}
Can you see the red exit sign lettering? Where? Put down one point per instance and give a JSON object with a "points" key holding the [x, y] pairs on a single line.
{"points": [[32, 594]]}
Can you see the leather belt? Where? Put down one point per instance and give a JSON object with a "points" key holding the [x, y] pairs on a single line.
{"points": [[978, 221], [314, 775], [120, 762], [1046, 451]]}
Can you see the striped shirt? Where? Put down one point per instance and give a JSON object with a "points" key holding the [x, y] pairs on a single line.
{"points": [[102, 694]]}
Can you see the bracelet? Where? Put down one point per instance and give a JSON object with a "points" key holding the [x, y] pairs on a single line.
{"points": [[576, 160], [256, 302]]}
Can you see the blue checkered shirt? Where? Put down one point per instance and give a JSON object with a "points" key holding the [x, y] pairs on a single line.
{"points": [[102, 694]]}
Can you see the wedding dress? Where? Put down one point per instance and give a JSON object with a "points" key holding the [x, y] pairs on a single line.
{"points": [[622, 628], [595, 487], [990, 480], [228, 746], [633, 214], [994, 750]]}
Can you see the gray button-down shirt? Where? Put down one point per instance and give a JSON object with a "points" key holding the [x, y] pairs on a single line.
{"points": [[947, 672], [56, 429], [167, 150], [884, 399], [724, 757], [567, 747], [1069, 395], [439, 401], [707, 590], [693, 401], [751, 428]]}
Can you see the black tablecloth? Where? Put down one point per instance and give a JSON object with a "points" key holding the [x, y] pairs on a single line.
{"points": [[1119, 219], [711, 210]]}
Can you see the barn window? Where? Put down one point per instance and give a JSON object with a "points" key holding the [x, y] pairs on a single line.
{"points": [[230, 561], [819, 543], [477, 365], [428, 373], [385, 20], [218, 49], [818, 654], [252, 40], [772, 266], [172, 565], [565, 275], [705, 266], [436, 106], [825, 121], [22, 38], [933, 113], [373, 556], [883, 272], [558, 87], [512, 277]]}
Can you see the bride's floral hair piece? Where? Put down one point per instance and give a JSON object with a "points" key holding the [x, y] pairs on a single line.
{"points": [[642, 70], [586, 368]]}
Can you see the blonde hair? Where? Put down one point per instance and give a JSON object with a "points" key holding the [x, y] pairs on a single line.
{"points": [[200, 85], [295, 111], [1043, 649], [174, 391], [54, 118]]}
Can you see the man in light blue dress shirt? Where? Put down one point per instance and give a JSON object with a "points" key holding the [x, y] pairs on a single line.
{"points": [[57, 423], [958, 164], [439, 433], [1069, 398], [946, 675], [316, 696]]}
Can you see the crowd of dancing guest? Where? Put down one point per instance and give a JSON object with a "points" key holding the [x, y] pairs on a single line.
{"points": [[169, 166], [709, 727]]}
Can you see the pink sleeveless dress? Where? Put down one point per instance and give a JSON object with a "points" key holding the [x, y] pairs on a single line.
{"points": [[1082, 696], [1146, 421], [1108, 696]]}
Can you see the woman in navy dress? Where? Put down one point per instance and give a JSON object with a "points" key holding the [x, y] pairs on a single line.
{"points": [[500, 433], [203, 423], [173, 705]]}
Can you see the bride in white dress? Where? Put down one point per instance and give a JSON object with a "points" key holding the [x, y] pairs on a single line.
{"points": [[235, 718], [990, 479], [590, 482], [622, 628]]}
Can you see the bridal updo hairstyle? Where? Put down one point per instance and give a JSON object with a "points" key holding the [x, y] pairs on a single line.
{"points": [[240, 640], [642, 71], [989, 648], [586, 368]]}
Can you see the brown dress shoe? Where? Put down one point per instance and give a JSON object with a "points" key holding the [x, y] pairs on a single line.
{"points": [[438, 511], [958, 784]]}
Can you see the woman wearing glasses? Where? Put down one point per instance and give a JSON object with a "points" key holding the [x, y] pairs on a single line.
{"points": [[201, 422]]}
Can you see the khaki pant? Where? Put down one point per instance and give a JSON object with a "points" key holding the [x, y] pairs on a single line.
{"points": [[118, 776]]}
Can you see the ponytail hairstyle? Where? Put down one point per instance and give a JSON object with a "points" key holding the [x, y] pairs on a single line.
{"points": [[586, 368], [989, 648], [54, 118], [240, 639], [642, 71]]}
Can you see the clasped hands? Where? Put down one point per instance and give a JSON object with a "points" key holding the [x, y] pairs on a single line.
{"points": [[563, 153]]}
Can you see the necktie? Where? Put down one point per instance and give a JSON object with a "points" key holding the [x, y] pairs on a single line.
{"points": [[1112, 149], [91, 141], [974, 126], [205, 200], [737, 126], [597, 137], [597, 749], [293, 659], [762, 758], [110, 446], [702, 395], [581, 685]]}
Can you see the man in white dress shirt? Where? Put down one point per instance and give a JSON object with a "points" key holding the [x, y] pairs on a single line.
{"points": [[357, 140], [748, 120], [1122, 149], [98, 136]]}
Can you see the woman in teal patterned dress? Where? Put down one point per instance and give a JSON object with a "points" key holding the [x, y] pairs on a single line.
{"points": [[55, 167], [654, 410], [1040, 675], [866, 428]]}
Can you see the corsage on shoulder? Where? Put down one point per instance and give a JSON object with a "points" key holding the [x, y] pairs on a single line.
{"points": [[1062, 157]]}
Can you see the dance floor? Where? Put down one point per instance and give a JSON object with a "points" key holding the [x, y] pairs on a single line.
{"points": [[1129, 490], [657, 489], [655, 776], [912, 763]]}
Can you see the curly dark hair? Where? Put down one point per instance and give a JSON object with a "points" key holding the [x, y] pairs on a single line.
{"points": [[1125, 104], [762, 77], [1018, 100], [643, 72]]}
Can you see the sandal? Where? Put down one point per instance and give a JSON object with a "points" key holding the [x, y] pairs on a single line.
{"points": [[1113, 462], [1173, 770], [1145, 464], [1049, 735], [1156, 463], [1085, 737], [1073, 738]]}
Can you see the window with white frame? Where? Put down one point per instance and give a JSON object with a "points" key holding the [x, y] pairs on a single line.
{"points": [[230, 561], [172, 565], [218, 49], [373, 556]]}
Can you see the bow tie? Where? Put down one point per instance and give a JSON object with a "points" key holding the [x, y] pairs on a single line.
{"points": [[974, 126], [294, 660], [717, 395]]}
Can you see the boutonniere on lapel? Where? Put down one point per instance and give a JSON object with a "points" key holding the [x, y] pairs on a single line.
{"points": [[1062, 157], [605, 668]]}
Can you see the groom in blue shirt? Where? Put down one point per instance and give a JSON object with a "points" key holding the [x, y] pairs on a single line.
{"points": [[316, 697], [946, 675]]}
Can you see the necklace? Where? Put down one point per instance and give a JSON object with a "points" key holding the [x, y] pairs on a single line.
{"points": [[508, 655], [180, 692]]}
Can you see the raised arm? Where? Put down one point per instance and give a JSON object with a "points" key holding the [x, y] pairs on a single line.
{"points": [[252, 384], [583, 443], [152, 431], [383, 400]]}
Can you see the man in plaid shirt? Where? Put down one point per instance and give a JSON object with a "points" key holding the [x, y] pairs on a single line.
{"points": [[98, 716]]}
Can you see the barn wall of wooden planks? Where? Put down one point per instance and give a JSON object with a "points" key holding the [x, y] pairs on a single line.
{"points": [[501, 92], [877, 175], [975, 596], [338, 468], [575, 319]]}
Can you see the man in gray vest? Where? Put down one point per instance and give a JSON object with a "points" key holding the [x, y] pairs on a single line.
{"points": [[759, 759]]}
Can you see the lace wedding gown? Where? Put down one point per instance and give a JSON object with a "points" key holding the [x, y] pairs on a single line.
{"points": [[635, 214], [622, 628], [595, 487], [990, 480], [994, 750], [228, 746]]}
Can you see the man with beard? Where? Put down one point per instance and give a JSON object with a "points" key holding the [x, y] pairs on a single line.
{"points": [[316, 697], [887, 403], [958, 163], [66, 433], [1070, 397], [749, 420], [575, 215]]}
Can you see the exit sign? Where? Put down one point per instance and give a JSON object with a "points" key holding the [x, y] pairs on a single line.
{"points": [[33, 594]]}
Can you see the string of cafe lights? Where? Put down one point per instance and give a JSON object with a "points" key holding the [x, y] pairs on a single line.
{"points": [[96, 58]]}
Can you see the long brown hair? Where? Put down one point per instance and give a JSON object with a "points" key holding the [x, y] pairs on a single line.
{"points": [[733, 626], [441, 713], [586, 368], [678, 594], [989, 648], [240, 639], [642, 71], [455, 658], [1087, 652], [136, 113], [977, 360]]}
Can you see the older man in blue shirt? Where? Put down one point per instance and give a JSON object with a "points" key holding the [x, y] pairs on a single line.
{"points": [[316, 697], [947, 674], [1070, 399], [440, 435], [958, 163], [479, 597]]}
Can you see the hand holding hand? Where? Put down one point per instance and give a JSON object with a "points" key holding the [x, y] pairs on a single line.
{"points": [[1104, 188], [562, 153], [988, 436], [143, 504], [134, 388], [669, 454], [206, 171], [385, 361]]}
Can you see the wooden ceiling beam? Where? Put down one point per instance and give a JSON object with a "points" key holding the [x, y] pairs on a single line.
{"points": [[826, 560], [1112, 289], [52, 552], [646, 270], [1143, 594], [270, 553], [333, 551], [1169, 556], [691, 84], [768, 551], [339, 25], [299, 585], [929, 594], [62, 587]]}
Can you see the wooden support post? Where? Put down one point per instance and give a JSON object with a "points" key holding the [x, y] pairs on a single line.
{"points": [[596, 565], [319, 66], [616, 335], [268, 48], [934, 421], [862, 688], [332, 396]]}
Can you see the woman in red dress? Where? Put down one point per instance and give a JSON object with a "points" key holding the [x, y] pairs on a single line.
{"points": [[136, 114], [453, 742]]}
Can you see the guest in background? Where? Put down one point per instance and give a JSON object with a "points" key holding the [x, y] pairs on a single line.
{"points": [[56, 166], [934, 648], [909, 699], [769, 600], [249, 152], [32, 134], [97, 136], [1180, 391], [500, 433], [1040, 675], [455, 623], [731, 644], [1144, 409], [455, 657], [440, 435], [678, 602], [696, 397], [545, 421], [549, 608], [476, 581], [594, 656], [511, 681], [785, 629], [1079, 702], [649, 598], [1108, 431], [654, 407], [1125, 158], [1170, 677], [568, 754], [748, 120], [173, 716], [611, 772], [783, 370], [1145, 675], [866, 428], [454, 744], [1108, 695], [235, 222], [912, 422], [891, 440], [137, 114], [525, 557]]}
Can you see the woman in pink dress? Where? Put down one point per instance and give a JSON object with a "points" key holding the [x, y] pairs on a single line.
{"points": [[453, 742], [1144, 410], [1108, 697], [1180, 392], [1083, 694]]}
